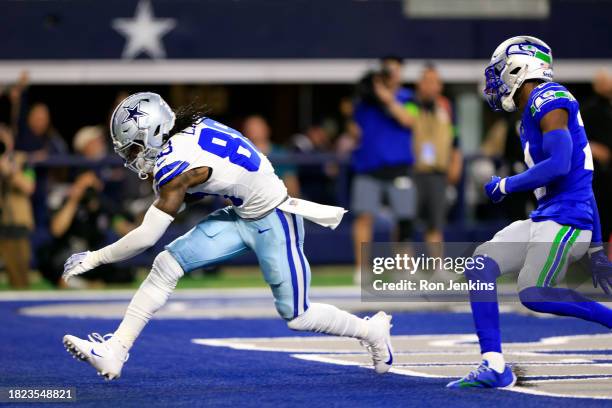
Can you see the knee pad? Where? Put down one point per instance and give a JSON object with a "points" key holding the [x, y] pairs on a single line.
{"points": [[166, 270]]}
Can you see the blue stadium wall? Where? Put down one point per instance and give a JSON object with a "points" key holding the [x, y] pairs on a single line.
{"points": [[79, 29]]}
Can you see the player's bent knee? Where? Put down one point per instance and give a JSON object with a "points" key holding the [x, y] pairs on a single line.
{"points": [[167, 269], [539, 299], [490, 251], [484, 269], [526, 280], [528, 298]]}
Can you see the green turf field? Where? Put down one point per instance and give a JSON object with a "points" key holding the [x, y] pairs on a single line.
{"points": [[229, 277], [250, 277]]}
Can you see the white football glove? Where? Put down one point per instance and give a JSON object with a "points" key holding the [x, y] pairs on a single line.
{"points": [[78, 264]]}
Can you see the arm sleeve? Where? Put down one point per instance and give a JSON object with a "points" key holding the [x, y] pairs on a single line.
{"points": [[153, 226], [558, 145], [596, 238]]}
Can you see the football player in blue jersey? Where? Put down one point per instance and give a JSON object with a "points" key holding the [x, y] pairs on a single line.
{"points": [[565, 225]]}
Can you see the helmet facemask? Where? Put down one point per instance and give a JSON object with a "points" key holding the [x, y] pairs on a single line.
{"points": [[495, 88], [503, 79], [138, 158]]}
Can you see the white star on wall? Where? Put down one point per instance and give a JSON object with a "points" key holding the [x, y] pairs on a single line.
{"points": [[144, 32]]}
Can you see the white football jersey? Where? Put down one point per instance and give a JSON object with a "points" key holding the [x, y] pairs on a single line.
{"points": [[240, 172]]}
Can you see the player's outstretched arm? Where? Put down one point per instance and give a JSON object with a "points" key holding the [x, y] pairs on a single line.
{"points": [[157, 219]]}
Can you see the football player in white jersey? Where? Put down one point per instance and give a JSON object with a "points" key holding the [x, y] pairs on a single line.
{"points": [[190, 156]]}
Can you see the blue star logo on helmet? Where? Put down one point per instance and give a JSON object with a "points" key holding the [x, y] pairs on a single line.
{"points": [[134, 113]]}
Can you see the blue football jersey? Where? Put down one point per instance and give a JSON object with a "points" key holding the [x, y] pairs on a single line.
{"points": [[566, 199]]}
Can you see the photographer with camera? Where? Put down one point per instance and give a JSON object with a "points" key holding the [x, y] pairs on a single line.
{"points": [[383, 158], [17, 183], [81, 215]]}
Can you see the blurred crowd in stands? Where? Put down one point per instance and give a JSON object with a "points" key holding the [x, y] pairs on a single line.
{"points": [[389, 153]]}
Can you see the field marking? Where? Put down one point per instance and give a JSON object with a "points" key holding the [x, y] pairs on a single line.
{"points": [[576, 369], [411, 373]]}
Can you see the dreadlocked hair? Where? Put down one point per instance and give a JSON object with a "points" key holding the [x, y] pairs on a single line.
{"points": [[188, 115]]}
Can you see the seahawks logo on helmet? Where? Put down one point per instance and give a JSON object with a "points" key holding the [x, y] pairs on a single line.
{"points": [[532, 50]]}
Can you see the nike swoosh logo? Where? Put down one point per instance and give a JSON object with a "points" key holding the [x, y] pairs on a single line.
{"points": [[94, 353], [390, 361], [262, 231]]}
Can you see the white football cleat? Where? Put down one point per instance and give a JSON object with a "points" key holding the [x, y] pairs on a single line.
{"points": [[379, 346], [97, 352]]}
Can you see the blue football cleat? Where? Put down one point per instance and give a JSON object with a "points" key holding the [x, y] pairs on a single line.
{"points": [[485, 377]]}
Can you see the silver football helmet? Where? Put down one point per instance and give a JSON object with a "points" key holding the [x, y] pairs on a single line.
{"points": [[138, 127], [513, 62]]}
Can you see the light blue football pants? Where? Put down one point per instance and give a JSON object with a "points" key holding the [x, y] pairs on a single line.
{"points": [[278, 242]]}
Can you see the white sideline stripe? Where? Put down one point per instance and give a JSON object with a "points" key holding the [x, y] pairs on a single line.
{"points": [[236, 71], [244, 344], [329, 360], [521, 363], [531, 391], [603, 377], [349, 292]]}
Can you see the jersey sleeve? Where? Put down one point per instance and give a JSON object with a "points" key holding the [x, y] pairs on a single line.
{"points": [[176, 158], [551, 96]]}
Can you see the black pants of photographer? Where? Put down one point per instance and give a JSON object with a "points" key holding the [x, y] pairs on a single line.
{"points": [[51, 258], [15, 253]]}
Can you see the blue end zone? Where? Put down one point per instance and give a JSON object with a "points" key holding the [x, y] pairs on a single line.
{"points": [[167, 370]]}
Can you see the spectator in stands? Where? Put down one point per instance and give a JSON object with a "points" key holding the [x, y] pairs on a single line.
{"points": [[256, 128], [438, 159], [597, 114], [347, 129], [316, 180], [17, 183], [35, 135], [383, 158], [82, 216], [314, 140], [90, 142]]}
